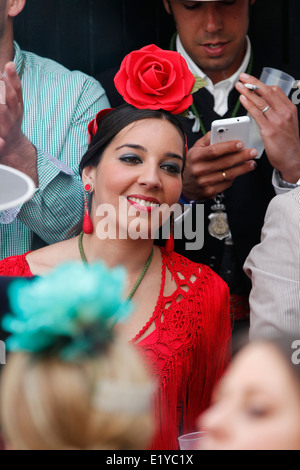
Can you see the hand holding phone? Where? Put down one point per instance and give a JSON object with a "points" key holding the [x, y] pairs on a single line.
{"points": [[212, 171], [225, 130]]}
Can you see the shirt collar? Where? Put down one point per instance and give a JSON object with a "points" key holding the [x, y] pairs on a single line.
{"points": [[229, 82], [18, 58]]}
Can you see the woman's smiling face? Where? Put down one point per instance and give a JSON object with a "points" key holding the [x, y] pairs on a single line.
{"points": [[139, 174]]}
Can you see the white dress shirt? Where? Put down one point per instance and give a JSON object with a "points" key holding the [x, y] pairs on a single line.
{"points": [[220, 90], [273, 267]]}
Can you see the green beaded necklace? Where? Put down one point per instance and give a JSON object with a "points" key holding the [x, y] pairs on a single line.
{"points": [[141, 276], [193, 107]]}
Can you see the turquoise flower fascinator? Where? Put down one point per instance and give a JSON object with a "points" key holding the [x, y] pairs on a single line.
{"points": [[68, 313]]}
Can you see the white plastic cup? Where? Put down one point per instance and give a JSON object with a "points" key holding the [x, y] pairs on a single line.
{"points": [[275, 77], [270, 77], [191, 441]]}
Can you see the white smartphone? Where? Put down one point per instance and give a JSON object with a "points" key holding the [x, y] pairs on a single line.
{"points": [[224, 130]]}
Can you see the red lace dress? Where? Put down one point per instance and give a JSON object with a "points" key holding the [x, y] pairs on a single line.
{"points": [[15, 266], [189, 347]]}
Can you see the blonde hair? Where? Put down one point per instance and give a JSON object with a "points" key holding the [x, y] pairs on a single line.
{"points": [[48, 404]]}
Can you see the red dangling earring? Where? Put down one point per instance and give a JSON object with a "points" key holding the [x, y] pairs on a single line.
{"points": [[87, 226], [169, 245]]}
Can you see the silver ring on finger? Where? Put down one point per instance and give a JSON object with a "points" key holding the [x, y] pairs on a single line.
{"points": [[265, 109]]}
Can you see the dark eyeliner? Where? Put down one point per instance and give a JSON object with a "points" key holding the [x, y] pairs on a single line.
{"points": [[174, 166], [130, 158]]}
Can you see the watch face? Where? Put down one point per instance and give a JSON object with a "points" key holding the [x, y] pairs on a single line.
{"points": [[15, 187]]}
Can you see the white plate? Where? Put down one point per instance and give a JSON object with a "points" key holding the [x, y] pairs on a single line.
{"points": [[15, 187]]}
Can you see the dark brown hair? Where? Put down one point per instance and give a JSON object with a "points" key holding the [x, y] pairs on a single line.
{"points": [[112, 123]]}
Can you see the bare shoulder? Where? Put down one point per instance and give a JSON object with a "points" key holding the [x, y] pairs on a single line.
{"points": [[45, 259]]}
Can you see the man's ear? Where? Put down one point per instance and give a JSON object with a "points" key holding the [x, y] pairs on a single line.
{"points": [[15, 7], [167, 6]]}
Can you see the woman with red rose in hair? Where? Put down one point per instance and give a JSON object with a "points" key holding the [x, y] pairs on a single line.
{"points": [[132, 171]]}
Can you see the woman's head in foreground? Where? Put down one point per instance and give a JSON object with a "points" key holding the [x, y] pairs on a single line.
{"points": [[256, 405], [69, 381], [102, 403]]}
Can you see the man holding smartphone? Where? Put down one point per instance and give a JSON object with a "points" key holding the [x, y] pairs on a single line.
{"points": [[212, 37], [233, 185]]}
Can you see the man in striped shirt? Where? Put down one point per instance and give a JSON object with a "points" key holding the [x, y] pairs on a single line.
{"points": [[43, 132]]}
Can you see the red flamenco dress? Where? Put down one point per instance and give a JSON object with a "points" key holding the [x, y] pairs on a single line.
{"points": [[189, 348]]}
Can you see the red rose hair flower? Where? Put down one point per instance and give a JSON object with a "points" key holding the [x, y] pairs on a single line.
{"points": [[154, 78]]}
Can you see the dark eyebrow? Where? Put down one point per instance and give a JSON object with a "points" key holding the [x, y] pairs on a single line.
{"points": [[143, 149], [174, 155], [133, 146]]}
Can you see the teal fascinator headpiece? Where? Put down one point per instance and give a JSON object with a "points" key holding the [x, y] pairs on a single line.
{"points": [[68, 313]]}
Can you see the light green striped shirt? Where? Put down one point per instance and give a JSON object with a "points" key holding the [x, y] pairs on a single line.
{"points": [[58, 105]]}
